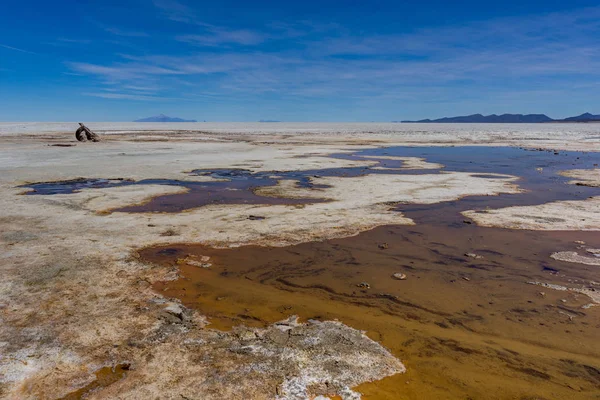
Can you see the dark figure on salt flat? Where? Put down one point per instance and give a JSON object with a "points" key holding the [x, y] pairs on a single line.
{"points": [[83, 133]]}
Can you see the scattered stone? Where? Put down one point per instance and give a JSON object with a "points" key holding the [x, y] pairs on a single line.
{"points": [[246, 335], [175, 313], [466, 279], [174, 308], [543, 294], [473, 255], [364, 285], [383, 246], [289, 323], [191, 259], [579, 242], [256, 217], [399, 276]]}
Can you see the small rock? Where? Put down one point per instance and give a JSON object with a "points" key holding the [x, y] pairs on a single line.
{"points": [[563, 300], [199, 264], [364, 285], [174, 308], [256, 217], [579, 242], [174, 313], [543, 294], [466, 221], [466, 279], [383, 246], [196, 261], [473, 255], [246, 335], [399, 276]]}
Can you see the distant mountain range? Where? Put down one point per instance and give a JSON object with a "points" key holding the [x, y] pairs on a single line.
{"points": [[164, 118], [511, 118], [587, 117]]}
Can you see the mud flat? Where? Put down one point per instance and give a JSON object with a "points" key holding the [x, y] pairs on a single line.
{"points": [[171, 264]]}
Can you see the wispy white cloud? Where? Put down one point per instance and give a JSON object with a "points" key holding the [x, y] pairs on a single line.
{"points": [[175, 11], [122, 72], [124, 96], [142, 88], [216, 36], [500, 55], [209, 34], [127, 33], [16, 49]]}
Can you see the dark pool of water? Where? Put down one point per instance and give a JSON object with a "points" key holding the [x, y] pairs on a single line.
{"points": [[74, 185], [537, 171]]}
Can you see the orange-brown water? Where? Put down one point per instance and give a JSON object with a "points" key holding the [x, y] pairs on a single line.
{"points": [[491, 336], [104, 377]]}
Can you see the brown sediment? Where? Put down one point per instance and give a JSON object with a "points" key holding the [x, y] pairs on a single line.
{"points": [[104, 377], [492, 333]]}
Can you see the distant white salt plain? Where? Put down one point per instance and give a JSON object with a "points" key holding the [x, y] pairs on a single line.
{"points": [[454, 131]]}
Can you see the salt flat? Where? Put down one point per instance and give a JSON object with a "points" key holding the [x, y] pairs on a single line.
{"points": [[76, 296], [555, 134]]}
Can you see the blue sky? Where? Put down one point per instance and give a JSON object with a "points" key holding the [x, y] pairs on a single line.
{"points": [[296, 60]]}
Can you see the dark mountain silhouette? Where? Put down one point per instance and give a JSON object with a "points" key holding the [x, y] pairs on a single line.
{"points": [[164, 118], [586, 117], [504, 118]]}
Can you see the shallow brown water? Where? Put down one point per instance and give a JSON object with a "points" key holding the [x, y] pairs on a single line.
{"points": [[104, 377], [491, 336]]}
